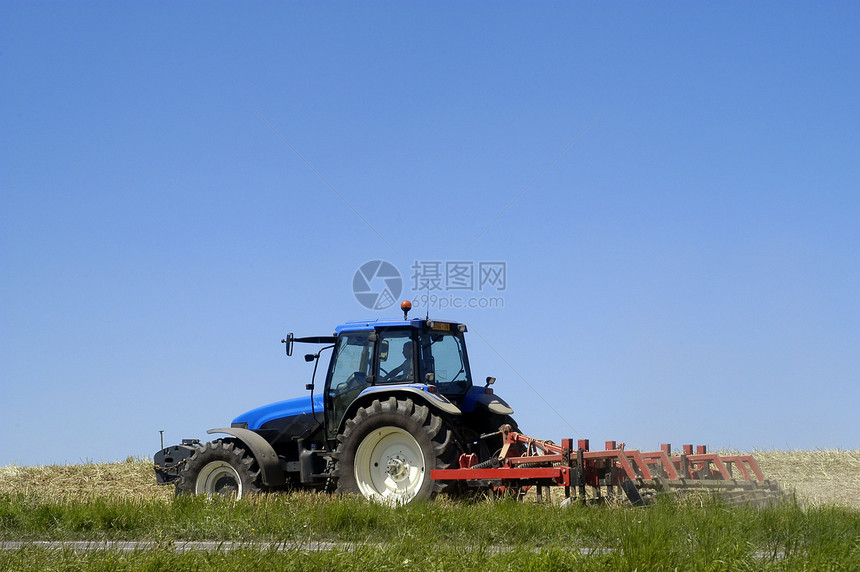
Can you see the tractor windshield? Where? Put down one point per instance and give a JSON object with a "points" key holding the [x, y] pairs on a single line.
{"points": [[444, 355]]}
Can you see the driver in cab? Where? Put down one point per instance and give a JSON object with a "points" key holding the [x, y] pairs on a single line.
{"points": [[403, 372]]}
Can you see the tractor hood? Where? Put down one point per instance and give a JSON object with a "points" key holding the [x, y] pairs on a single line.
{"points": [[258, 417]]}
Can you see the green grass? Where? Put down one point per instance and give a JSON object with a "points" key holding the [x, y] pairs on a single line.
{"points": [[391, 557], [436, 535]]}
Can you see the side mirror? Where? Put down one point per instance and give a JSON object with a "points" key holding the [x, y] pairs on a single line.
{"points": [[309, 357], [383, 350], [289, 341], [429, 378], [490, 381]]}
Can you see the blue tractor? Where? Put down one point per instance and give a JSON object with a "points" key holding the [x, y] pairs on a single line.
{"points": [[398, 402]]}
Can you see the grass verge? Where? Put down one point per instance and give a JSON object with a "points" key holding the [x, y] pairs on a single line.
{"points": [[441, 535]]}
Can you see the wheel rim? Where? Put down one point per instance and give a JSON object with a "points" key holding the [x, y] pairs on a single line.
{"points": [[219, 478], [389, 465]]}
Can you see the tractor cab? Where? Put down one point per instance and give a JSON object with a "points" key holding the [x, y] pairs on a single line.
{"points": [[424, 355]]}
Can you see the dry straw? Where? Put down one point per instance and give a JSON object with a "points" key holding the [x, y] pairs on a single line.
{"points": [[820, 477]]}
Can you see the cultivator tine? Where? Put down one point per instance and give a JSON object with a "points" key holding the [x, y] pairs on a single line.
{"points": [[633, 495]]}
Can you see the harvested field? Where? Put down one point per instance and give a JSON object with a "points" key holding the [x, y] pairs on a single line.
{"points": [[821, 477], [824, 477], [130, 479]]}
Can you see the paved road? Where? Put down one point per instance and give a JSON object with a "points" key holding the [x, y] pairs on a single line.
{"points": [[147, 545], [226, 546], [222, 546]]}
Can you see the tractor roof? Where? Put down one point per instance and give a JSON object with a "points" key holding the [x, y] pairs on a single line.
{"points": [[367, 325]]}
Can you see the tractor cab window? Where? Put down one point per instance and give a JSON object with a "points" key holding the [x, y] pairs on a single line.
{"points": [[397, 357], [443, 355], [351, 366]]}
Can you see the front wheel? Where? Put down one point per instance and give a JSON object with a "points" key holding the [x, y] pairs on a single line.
{"points": [[387, 450], [219, 468]]}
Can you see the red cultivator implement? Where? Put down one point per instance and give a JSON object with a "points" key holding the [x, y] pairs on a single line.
{"points": [[526, 462]]}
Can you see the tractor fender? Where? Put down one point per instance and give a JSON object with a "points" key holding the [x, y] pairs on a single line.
{"points": [[483, 398], [270, 466], [434, 401], [494, 403]]}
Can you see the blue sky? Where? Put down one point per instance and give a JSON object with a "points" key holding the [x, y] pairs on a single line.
{"points": [[673, 188]]}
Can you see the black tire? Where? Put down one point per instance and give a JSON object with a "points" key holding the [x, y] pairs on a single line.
{"points": [[219, 468], [387, 450]]}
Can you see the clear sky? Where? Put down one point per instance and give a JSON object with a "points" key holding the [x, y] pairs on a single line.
{"points": [[673, 189]]}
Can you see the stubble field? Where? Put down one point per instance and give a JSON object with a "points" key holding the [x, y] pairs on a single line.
{"points": [[821, 477]]}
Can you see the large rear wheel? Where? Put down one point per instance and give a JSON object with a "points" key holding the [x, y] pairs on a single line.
{"points": [[387, 450]]}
